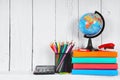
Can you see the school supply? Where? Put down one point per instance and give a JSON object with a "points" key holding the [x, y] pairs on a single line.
{"points": [[62, 52], [44, 69], [107, 46], [101, 62], [96, 66], [95, 72], [94, 53], [94, 60]]}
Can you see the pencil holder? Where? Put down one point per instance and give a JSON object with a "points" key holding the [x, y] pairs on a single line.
{"points": [[63, 62]]}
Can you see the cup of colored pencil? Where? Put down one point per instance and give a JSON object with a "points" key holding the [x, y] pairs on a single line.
{"points": [[63, 51]]}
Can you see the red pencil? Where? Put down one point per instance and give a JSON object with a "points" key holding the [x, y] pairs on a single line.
{"points": [[52, 47]]}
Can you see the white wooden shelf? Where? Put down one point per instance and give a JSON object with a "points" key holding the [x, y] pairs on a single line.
{"points": [[30, 76]]}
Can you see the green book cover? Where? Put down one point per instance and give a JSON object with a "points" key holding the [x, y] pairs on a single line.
{"points": [[94, 60]]}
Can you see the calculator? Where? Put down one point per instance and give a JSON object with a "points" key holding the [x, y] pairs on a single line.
{"points": [[44, 69]]}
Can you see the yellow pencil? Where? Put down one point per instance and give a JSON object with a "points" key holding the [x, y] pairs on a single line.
{"points": [[58, 47]]}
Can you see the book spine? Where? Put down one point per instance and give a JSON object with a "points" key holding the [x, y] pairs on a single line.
{"points": [[95, 54], [96, 72], [96, 66], [94, 60]]}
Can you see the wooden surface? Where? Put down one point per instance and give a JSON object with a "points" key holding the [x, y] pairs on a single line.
{"points": [[30, 76]]}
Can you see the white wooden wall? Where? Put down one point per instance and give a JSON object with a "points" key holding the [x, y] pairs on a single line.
{"points": [[27, 27]]}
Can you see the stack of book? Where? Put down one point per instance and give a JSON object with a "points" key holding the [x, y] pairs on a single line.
{"points": [[95, 63]]}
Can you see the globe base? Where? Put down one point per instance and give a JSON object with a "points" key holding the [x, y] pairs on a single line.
{"points": [[90, 46]]}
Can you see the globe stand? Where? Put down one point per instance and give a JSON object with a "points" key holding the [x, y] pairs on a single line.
{"points": [[90, 46], [89, 36]]}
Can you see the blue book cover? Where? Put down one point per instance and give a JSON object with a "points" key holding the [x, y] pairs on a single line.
{"points": [[95, 72], [94, 60]]}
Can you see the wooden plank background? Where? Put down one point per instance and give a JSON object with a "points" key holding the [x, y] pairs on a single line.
{"points": [[27, 27], [44, 32], [21, 35], [4, 35]]}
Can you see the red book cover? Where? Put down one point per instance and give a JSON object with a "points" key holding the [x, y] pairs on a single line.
{"points": [[95, 66]]}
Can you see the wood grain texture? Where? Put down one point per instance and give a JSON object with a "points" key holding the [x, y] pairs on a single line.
{"points": [[44, 32], [4, 35], [21, 35], [66, 20]]}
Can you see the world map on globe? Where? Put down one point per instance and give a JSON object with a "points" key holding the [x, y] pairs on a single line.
{"points": [[90, 24]]}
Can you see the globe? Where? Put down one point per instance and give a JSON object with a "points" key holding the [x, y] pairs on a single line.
{"points": [[91, 25]]}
